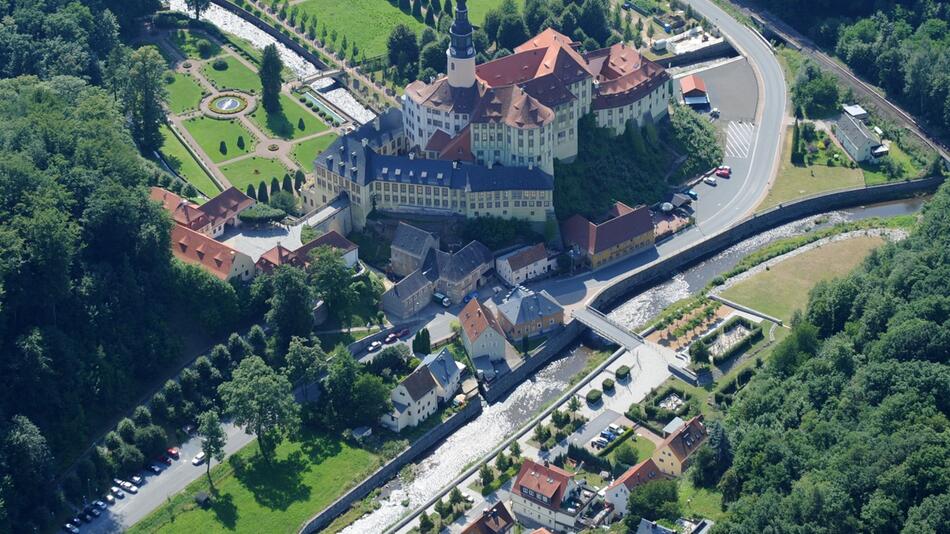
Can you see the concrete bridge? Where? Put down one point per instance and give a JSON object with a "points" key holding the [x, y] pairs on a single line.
{"points": [[601, 325], [321, 75]]}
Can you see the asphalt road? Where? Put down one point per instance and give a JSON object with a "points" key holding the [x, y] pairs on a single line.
{"points": [[724, 204]]}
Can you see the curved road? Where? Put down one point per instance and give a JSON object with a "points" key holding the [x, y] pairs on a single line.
{"points": [[720, 206]]}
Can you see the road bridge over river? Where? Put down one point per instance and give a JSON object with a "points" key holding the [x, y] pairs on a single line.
{"points": [[604, 327]]}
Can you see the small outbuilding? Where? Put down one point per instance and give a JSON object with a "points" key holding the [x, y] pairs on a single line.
{"points": [[694, 91]]}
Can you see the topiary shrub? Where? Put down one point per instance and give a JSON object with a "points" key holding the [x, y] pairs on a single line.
{"points": [[593, 396], [608, 384], [204, 48], [623, 372], [219, 64]]}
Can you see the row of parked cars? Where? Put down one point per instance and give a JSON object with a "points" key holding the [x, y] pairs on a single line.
{"points": [[607, 435], [391, 338], [121, 488]]}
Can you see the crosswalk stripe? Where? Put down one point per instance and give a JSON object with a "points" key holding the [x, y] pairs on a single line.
{"points": [[739, 139]]}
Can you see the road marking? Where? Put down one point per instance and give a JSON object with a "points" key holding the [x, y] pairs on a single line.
{"points": [[739, 139]]}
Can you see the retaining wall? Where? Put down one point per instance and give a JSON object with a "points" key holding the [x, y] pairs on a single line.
{"points": [[270, 30], [552, 347], [391, 469], [756, 224], [723, 49]]}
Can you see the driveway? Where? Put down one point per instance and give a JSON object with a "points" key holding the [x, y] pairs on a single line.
{"points": [[256, 241], [582, 437]]}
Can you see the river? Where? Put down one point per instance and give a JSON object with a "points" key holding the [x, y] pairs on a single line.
{"points": [[498, 421]]}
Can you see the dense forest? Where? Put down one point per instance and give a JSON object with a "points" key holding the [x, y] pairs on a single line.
{"points": [[902, 46], [87, 284], [847, 429]]}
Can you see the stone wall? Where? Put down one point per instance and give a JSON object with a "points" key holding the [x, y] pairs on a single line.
{"points": [[756, 224], [269, 30], [552, 347], [391, 469]]}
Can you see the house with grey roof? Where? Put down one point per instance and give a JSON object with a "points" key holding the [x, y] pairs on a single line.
{"points": [[526, 314], [413, 400], [452, 274], [858, 140], [446, 372], [409, 248]]}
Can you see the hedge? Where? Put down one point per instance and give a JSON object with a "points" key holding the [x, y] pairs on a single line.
{"points": [[608, 384], [754, 336], [615, 443], [740, 380], [594, 396], [622, 372]]}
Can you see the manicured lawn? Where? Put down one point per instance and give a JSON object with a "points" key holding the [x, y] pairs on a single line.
{"points": [[210, 133], [187, 43], [784, 287], [236, 76], [368, 23], [252, 495], [304, 153], [794, 181], [179, 159], [699, 502], [286, 124], [873, 174], [478, 8], [253, 171], [184, 93]]}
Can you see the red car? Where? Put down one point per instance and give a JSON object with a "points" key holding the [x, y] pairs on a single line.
{"points": [[724, 172], [173, 453], [402, 333]]}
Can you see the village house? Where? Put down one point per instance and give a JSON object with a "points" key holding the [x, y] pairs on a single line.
{"points": [[672, 455], [481, 335], [409, 248], [494, 520], [694, 91], [858, 140], [452, 274], [217, 258], [447, 373], [414, 400], [624, 231], [280, 255], [525, 264], [182, 211], [548, 495], [223, 209], [618, 492], [527, 314]]}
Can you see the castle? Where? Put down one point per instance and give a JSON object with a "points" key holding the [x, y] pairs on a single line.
{"points": [[522, 110], [482, 140]]}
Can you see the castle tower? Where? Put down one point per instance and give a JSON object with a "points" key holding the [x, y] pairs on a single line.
{"points": [[461, 52]]}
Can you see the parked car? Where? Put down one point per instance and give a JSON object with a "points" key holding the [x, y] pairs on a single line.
{"points": [[374, 346], [163, 458], [442, 299], [99, 504], [154, 469], [601, 443], [76, 521], [173, 453], [615, 428], [137, 480], [724, 171], [110, 498], [391, 338], [92, 510], [711, 180], [198, 459], [129, 487], [69, 527], [84, 517], [692, 194], [469, 297], [714, 113], [402, 333], [607, 435]]}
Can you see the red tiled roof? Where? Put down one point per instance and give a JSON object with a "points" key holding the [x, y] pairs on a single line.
{"points": [[623, 74], [182, 211], [513, 106], [547, 480], [527, 257], [561, 57], [227, 204], [281, 255], [626, 223], [684, 441], [692, 83], [195, 248], [476, 318], [459, 147], [438, 141], [639, 474], [495, 520]]}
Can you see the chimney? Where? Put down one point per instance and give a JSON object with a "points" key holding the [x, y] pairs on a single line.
{"points": [[365, 142], [486, 512], [412, 156], [545, 463]]}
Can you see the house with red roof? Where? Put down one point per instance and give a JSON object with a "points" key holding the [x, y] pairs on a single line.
{"points": [[624, 231], [618, 492], [525, 264], [481, 334], [223, 210], [494, 520], [300, 257], [182, 210], [673, 454], [694, 91], [215, 257], [548, 495]]}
